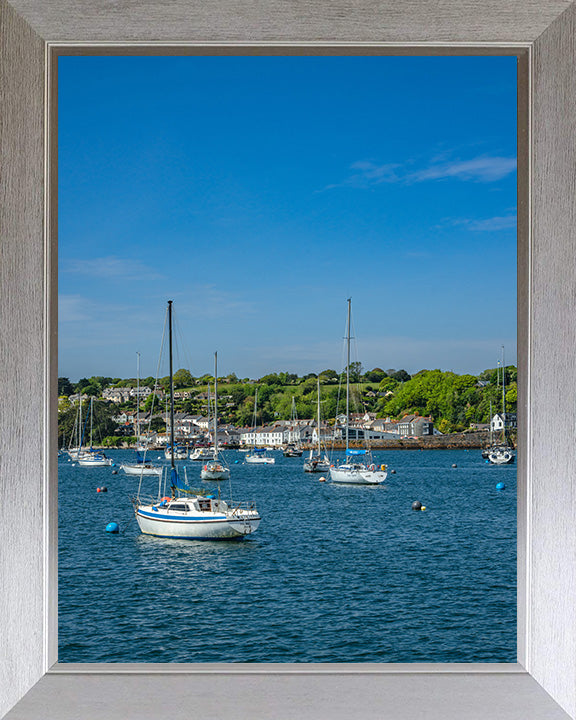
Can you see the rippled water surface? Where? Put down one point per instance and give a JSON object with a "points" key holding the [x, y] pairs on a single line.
{"points": [[334, 573]]}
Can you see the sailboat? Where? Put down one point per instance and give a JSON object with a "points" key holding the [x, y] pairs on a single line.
{"points": [[502, 453], [140, 467], [316, 462], [353, 471], [216, 468], [258, 455], [293, 449], [91, 457], [188, 515]]}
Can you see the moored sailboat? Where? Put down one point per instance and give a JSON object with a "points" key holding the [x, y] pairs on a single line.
{"points": [[258, 455], [353, 471], [216, 468], [91, 457], [140, 467], [316, 462], [187, 514], [502, 453]]}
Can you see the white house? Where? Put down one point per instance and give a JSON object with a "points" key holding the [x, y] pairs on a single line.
{"points": [[502, 420]]}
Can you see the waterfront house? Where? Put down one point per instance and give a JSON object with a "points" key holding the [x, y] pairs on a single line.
{"points": [[504, 420], [415, 426]]}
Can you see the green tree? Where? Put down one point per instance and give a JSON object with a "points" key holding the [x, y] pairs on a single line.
{"points": [[65, 387], [376, 375], [183, 378]]}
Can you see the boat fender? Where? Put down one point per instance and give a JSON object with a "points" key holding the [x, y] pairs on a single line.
{"points": [[205, 467], [372, 467], [383, 468]]}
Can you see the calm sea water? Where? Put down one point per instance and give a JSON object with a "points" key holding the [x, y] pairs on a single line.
{"points": [[334, 573]]}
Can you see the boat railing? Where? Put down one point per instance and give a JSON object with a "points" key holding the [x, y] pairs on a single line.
{"points": [[239, 507]]}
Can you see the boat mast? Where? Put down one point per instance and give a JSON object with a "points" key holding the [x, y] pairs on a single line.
{"points": [[503, 397], [215, 405], [318, 414], [172, 465], [137, 399], [91, 420], [348, 374]]}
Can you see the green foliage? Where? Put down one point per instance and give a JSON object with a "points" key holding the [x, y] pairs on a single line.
{"points": [[103, 424], [65, 387], [183, 379], [376, 375]]}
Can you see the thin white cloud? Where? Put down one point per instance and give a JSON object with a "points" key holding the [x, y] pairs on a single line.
{"points": [[484, 169], [493, 224], [111, 267], [481, 169]]}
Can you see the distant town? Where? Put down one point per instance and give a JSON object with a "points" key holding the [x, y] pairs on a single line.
{"points": [[389, 405]]}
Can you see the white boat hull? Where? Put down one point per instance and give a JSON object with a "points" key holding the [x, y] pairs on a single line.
{"points": [[357, 475], [501, 457], [255, 460], [218, 472], [94, 462], [143, 469], [312, 466], [213, 526]]}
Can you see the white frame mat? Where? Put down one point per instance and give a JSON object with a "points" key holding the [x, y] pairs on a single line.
{"points": [[542, 685]]}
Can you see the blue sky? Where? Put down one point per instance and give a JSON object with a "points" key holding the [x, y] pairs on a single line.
{"points": [[259, 193]]}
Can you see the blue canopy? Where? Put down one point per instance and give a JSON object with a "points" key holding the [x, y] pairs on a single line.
{"points": [[350, 451], [176, 481]]}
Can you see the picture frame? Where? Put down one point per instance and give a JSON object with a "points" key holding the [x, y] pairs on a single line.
{"points": [[542, 684]]}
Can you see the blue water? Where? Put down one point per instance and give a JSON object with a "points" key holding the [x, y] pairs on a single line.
{"points": [[334, 573]]}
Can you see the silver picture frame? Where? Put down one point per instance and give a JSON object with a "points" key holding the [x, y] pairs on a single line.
{"points": [[542, 33]]}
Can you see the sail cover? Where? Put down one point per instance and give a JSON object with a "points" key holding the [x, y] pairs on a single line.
{"points": [[176, 481]]}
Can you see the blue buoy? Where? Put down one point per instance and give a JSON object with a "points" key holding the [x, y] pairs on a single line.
{"points": [[235, 462], [487, 462], [500, 486], [113, 465], [112, 528]]}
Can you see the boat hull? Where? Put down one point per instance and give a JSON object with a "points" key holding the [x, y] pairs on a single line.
{"points": [[357, 476], [218, 527], [501, 457], [142, 469], [260, 460], [100, 462], [208, 473]]}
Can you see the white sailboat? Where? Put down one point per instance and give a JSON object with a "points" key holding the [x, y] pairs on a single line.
{"points": [[140, 467], [316, 462], [293, 449], [258, 455], [216, 468], [188, 515], [352, 471], [502, 453], [91, 457]]}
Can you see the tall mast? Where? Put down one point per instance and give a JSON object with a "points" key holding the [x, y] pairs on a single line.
{"points": [[348, 373], [171, 385], [137, 399], [215, 405], [91, 420], [503, 396], [318, 385]]}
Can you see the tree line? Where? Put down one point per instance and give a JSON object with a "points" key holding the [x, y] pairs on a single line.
{"points": [[453, 401]]}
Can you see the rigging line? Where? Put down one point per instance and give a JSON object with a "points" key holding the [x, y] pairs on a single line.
{"points": [[155, 388]]}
